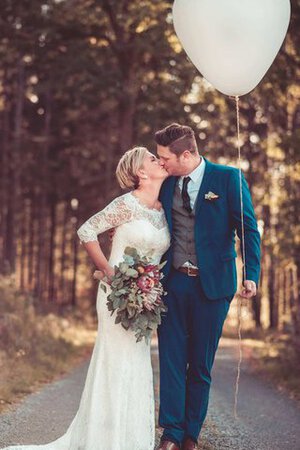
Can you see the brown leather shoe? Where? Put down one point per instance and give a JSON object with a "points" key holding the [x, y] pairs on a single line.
{"points": [[168, 445], [189, 444]]}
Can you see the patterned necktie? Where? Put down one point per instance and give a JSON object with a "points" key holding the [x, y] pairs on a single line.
{"points": [[185, 196]]}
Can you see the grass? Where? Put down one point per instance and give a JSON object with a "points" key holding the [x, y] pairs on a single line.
{"points": [[37, 347]]}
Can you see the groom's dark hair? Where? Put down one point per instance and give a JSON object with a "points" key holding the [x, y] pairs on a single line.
{"points": [[178, 138]]}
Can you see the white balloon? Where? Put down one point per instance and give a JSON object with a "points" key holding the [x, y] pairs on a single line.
{"points": [[232, 42]]}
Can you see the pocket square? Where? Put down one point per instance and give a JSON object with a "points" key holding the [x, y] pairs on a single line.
{"points": [[211, 196]]}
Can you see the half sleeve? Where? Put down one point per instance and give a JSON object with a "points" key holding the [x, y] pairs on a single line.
{"points": [[118, 212]]}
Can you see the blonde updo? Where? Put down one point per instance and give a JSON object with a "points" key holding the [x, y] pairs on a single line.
{"points": [[128, 166]]}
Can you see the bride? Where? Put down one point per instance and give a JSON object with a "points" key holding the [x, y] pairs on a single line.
{"points": [[116, 410]]}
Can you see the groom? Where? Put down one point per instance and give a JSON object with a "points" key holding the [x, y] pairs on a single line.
{"points": [[202, 206]]}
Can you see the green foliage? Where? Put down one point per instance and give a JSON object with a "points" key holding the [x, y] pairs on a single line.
{"points": [[22, 330], [138, 307]]}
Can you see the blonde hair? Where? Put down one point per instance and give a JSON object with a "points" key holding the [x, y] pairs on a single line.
{"points": [[128, 166]]}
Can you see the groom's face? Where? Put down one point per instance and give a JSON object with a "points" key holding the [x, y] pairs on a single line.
{"points": [[174, 165]]}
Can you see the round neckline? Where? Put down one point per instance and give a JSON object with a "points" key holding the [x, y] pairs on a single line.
{"points": [[143, 204]]}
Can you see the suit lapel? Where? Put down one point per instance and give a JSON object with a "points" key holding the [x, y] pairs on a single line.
{"points": [[204, 185]]}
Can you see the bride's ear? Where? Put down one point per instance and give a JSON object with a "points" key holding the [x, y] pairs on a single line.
{"points": [[142, 175]]}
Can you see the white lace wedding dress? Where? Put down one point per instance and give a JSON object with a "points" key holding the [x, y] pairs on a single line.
{"points": [[116, 410]]}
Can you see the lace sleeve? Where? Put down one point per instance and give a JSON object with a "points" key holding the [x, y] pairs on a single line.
{"points": [[119, 211]]}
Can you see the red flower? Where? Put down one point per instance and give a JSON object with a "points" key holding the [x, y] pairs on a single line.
{"points": [[150, 268], [145, 283]]}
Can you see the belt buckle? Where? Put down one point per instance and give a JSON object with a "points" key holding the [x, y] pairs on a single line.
{"points": [[188, 272]]}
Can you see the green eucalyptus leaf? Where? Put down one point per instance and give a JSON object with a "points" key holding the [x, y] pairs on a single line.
{"points": [[123, 268], [118, 319], [161, 265], [131, 312], [125, 323], [123, 291], [116, 303], [132, 273], [103, 287]]}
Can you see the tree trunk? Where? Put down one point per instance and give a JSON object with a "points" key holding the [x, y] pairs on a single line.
{"points": [[23, 244], [75, 262], [295, 299], [31, 243], [256, 304], [273, 318], [127, 109], [51, 273], [12, 222], [42, 256], [4, 183], [63, 252]]}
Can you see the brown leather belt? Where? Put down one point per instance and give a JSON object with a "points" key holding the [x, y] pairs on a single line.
{"points": [[189, 271]]}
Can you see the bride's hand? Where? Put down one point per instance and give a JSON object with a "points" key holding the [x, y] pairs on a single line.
{"points": [[98, 275], [104, 275], [109, 272]]}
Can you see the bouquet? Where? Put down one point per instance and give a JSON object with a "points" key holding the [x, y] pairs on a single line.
{"points": [[136, 294]]}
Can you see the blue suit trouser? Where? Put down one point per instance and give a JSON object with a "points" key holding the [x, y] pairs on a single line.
{"points": [[188, 340]]}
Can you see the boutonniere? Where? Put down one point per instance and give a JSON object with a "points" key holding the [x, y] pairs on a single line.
{"points": [[211, 196]]}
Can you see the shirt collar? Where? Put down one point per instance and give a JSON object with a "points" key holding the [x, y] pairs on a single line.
{"points": [[197, 173]]}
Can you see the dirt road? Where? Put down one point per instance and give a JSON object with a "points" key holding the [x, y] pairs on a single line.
{"points": [[268, 420]]}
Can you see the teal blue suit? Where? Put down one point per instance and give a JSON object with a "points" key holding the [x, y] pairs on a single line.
{"points": [[216, 224], [197, 306]]}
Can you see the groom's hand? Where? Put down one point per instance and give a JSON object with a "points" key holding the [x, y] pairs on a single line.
{"points": [[249, 289], [111, 233]]}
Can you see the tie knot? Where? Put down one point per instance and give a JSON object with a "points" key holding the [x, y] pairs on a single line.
{"points": [[186, 180]]}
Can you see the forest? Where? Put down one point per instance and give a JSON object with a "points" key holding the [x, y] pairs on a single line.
{"points": [[82, 81]]}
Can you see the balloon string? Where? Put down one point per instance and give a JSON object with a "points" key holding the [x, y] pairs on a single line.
{"points": [[237, 381], [241, 184], [244, 259]]}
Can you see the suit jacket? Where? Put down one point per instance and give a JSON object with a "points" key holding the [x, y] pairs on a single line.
{"points": [[216, 224]]}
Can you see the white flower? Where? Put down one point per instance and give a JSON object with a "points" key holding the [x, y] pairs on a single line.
{"points": [[211, 196]]}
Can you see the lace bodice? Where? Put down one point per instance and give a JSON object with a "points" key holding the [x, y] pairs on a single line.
{"points": [[136, 226]]}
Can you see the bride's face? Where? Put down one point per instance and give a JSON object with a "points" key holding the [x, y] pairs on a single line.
{"points": [[170, 161], [152, 168]]}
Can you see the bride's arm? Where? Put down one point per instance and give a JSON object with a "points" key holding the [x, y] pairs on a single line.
{"points": [[96, 254], [112, 216]]}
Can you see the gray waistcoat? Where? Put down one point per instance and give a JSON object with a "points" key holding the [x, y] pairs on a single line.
{"points": [[183, 232]]}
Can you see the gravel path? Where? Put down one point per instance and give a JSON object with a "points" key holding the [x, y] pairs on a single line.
{"points": [[268, 420]]}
